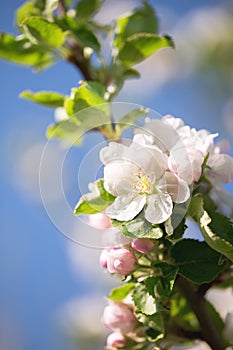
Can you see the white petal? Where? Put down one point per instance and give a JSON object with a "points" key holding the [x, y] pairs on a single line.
{"points": [[113, 151], [164, 135], [176, 123], [221, 168], [126, 207], [149, 160], [159, 208], [119, 177], [175, 186]]}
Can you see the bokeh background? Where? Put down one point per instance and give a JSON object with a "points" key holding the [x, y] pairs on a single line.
{"points": [[51, 289]]}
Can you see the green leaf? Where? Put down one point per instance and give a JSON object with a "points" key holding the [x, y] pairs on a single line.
{"points": [[154, 321], [178, 232], [51, 5], [182, 314], [216, 229], [20, 50], [141, 20], [39, 30], [87, 8], [144, 301], [139, 227], [129, 119], [142, 45], [94, 202], [131, 73], [215, 317], [90, 94], [26, 10], [46, 98], [162, 286], [120, 293], [196, 261], [68, 131], [80, 30]]}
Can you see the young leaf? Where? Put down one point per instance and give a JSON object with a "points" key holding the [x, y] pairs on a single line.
{"points": [[68, 131], [46, 98], [154, 322], [142, 45], [216, 229], [139, 227], [120, 293], [129, 119], [94, 202], [143, 301], [90, 94], [39, 30], [26, 10], [141, 20], [87, 8], [196, 261], [20, 50]]}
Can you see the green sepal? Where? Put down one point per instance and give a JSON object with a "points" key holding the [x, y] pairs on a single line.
{"points": [[94, 202]]}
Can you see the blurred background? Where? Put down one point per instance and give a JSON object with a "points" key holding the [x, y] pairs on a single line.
{"points": [[52, 288]]}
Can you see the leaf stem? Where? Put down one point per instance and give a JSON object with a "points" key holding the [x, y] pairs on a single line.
{"points": [[198, 304]]}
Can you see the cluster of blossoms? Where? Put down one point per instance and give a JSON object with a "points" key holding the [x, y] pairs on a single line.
{"points": [[159, 167], [165, 161]]}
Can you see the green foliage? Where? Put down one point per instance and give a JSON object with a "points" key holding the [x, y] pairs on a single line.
{"points": [[120, 293], [139, 227], [20, 50], [141, 20], [140, 46], [94, 202], [46, 98], [39, 30], [196, 261], [87, 8], [129, 119], [217, 229], [89, 94]]}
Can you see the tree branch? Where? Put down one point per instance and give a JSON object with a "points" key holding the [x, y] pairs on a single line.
{"points": [[198, 305]]}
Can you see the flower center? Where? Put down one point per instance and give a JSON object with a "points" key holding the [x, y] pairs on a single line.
{"points": [[142, 183]]}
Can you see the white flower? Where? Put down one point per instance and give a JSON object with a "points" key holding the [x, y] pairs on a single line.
{"points": [[187, 148], [137, 176]]}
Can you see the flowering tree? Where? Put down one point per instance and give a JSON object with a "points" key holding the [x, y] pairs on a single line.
{"points": [[166, 176]]}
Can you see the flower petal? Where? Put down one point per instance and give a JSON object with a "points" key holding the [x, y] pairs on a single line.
{"points": [[159, 208], [221, 168], [175, 186], [126, 207], [113, 151], [119, 177]]}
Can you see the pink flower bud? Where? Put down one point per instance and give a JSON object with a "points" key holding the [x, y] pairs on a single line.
{"points": [[103, 258], [100, 221], [119, 318], [121, 261], [116, 340], [143, 245]]}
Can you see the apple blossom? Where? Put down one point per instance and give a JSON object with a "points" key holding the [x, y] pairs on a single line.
{"points": [[119, 317], [143, 245], [116, 340], [137, 176], [103, 258], [100, 221], [120, 261]]}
